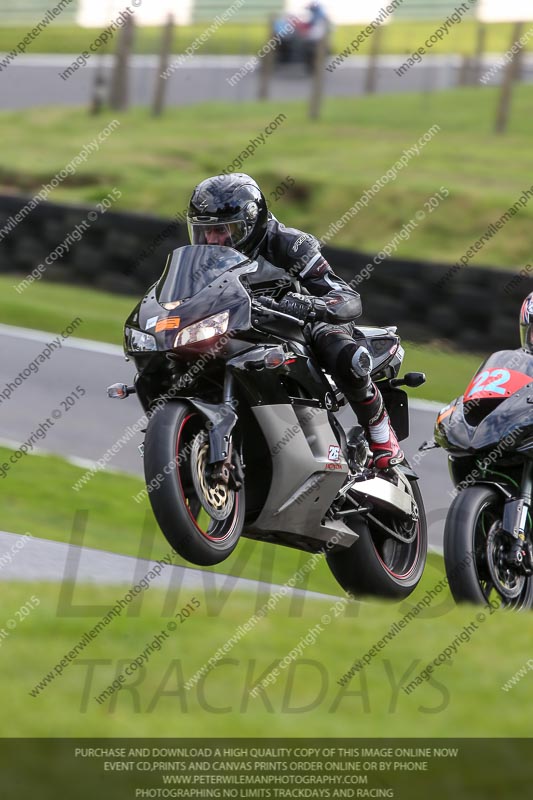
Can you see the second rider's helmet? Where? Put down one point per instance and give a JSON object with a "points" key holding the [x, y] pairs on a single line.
{"points": [[228, 210]]}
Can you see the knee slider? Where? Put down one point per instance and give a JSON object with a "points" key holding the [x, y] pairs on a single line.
{"points": [[353, 361], [361, 363]]}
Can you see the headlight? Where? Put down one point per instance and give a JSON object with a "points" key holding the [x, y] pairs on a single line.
{"points": [[139, 342], [380, 346], [205, 329]]}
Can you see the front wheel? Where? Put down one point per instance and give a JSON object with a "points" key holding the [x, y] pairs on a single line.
{"points": [[380, 564], [200, 517], [476, 552]]}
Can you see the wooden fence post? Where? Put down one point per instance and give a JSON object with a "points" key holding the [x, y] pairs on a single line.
{"points": [[99, 90], [266, 67], [164, 55], [481, 39], [317, 85], [465, 71], [372, 71], [512, 70], [119, 96]]}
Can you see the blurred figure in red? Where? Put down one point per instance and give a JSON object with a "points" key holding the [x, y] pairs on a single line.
{"points": [[299, 38], [290, 32]]}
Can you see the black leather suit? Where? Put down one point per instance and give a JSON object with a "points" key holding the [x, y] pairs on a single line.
{"points": [[332, 341]]}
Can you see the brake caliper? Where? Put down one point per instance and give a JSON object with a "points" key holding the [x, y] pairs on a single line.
{"points": [[229, 471]]}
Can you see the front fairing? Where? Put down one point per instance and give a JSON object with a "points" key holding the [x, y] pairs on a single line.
{"points": [[492, 412], [224, 294], [163, 313]]}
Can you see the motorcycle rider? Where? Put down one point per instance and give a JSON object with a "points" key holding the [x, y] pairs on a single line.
{"points": [[231, 210], [526, 324]]}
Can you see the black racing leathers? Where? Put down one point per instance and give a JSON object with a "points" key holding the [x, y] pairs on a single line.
{"points": [[332, 341], [299, 254]]}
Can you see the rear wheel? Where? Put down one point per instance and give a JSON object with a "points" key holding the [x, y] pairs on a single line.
{"points": [[379, 563], [476, 552], [201, 518]]}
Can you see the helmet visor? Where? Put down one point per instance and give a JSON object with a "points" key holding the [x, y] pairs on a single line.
{"points": [[526, 334], [226, 234]]}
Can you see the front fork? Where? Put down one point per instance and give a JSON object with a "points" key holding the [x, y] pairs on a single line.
{"points": [[221, 419], [515, 516]]}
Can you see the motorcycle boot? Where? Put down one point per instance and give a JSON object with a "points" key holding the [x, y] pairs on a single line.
{"points": [[350, 364], [383, 443]]}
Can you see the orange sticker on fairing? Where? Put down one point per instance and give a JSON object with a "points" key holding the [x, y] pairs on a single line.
{"points": [[497, 383], [168, 324], [446, 412]]}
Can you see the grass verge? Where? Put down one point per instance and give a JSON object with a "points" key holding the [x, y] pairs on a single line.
{"points": [[463, 695], [39, 499], [400, 37], [484, 173]]}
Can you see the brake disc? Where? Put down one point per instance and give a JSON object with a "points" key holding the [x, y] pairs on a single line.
{"points": [[216, 498], [506, 580]]}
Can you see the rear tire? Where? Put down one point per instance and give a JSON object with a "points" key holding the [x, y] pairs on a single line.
{"points": [[175, 434], [473, 512], [382, 567]]}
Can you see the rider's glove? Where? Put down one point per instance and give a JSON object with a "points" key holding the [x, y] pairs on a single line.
{"points": [[308, 309]]}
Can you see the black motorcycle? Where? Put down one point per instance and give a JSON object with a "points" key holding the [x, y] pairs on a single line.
{"points": [[488, 433], [243, 437]]}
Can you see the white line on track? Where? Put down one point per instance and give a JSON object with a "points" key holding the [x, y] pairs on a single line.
{"points": [[75, 343], [90, 345], [48, 561]]}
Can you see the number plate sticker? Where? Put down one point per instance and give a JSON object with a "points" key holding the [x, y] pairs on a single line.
{"points": [[334, 452], [499, 383]]}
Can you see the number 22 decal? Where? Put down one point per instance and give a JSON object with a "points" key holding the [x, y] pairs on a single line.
{"points": [[497, 378]]}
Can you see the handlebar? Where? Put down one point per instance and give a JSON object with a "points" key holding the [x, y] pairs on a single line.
{"points": [[268, 302], [270, 306]]}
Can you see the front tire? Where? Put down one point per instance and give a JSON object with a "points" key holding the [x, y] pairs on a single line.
{"points": [[473, 547], [201, 520], [381, 566]]}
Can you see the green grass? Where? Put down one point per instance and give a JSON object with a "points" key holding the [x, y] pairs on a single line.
{"points": [[38, 498], [464, 696], [155, 164], [51, 306], [400, 37], [408, 36], [448, 371]]}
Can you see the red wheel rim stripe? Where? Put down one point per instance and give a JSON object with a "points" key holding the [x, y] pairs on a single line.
{"points": [[235, 510], [405, 574]]}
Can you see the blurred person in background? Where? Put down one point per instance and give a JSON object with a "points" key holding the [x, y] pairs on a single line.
{"points": [[317, 28], [290, 30], [301, 43]]}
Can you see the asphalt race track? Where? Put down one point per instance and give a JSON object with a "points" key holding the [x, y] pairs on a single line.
{"points": [[206, 79], [57, 562], [95, 423]]}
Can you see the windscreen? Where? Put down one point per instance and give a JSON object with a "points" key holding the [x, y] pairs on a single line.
{"points": [[192, 268], [517, 360]]}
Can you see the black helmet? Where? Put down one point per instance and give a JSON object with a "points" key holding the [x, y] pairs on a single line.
{"points": [[526, 324], [228, 210]]}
